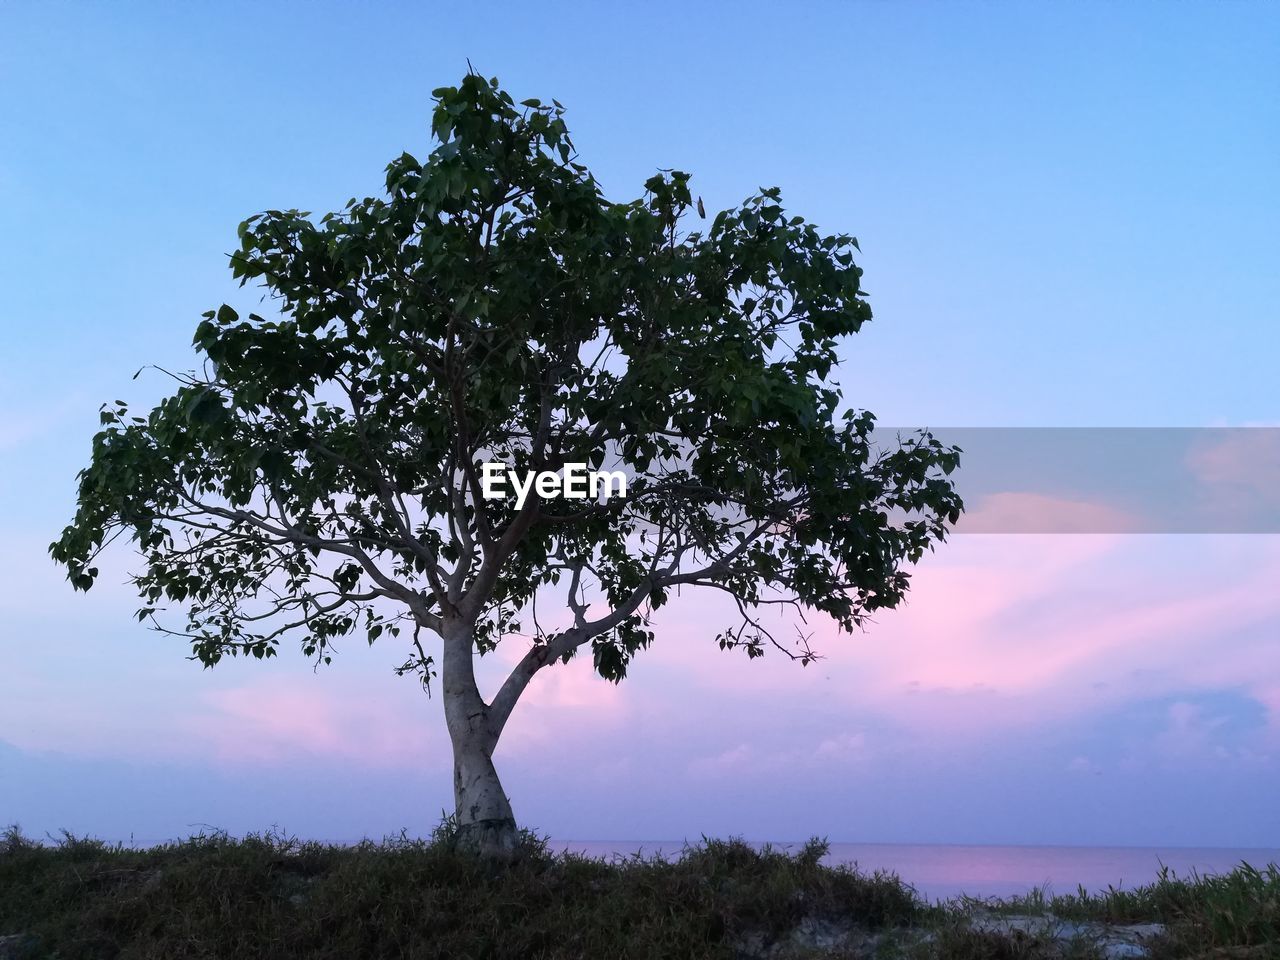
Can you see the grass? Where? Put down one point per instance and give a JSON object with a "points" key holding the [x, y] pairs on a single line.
{"points": [[273, 896], [1235, 911]]}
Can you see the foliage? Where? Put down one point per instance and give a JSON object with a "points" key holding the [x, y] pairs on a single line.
{"points": [[1236, 909], [319, 478], [271, 895]]}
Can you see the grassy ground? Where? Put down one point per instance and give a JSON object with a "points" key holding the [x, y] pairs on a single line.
{"points": [[1229, 915], [271, 896]]}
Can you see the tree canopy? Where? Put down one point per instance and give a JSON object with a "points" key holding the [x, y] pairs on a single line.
{"points": [[319, 477]]}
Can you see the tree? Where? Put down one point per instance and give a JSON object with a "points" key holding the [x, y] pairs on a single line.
{"points": [[321, 475]]}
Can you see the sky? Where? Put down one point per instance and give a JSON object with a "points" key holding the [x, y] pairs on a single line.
{"points": [[1067, 216]]}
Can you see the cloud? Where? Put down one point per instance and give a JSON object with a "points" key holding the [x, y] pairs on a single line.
{"points": [[840, 751], [1028, 512], [1006, 644], [273, 722], [566, 703], [1193, 731], [842, 748], [1247, 458], [1268, 694], [1007, 636], [1238, 473], [738, 758]]}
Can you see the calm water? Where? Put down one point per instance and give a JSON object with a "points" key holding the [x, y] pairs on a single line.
{"points": [[947, 871]]}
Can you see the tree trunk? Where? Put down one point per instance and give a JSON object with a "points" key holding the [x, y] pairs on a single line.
{"points": [[484, 820]]}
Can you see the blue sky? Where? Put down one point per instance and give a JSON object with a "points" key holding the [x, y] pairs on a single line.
{"points": [[1067, 216]]}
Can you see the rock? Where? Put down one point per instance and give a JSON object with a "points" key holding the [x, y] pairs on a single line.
{"points": [[812, 935], [817, 934], [1127, 940], [1114, 941], [822, 935]]}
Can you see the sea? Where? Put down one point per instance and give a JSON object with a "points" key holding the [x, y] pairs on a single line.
{"points": [[942, 871]]}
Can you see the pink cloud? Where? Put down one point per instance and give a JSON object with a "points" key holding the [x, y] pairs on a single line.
{"points": [[1024, 512], [1072, 644], [1012, 633], [573, 686], [1245, 458], [562, 702], [1000, 635], [274, 722], [1240, 477]]}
